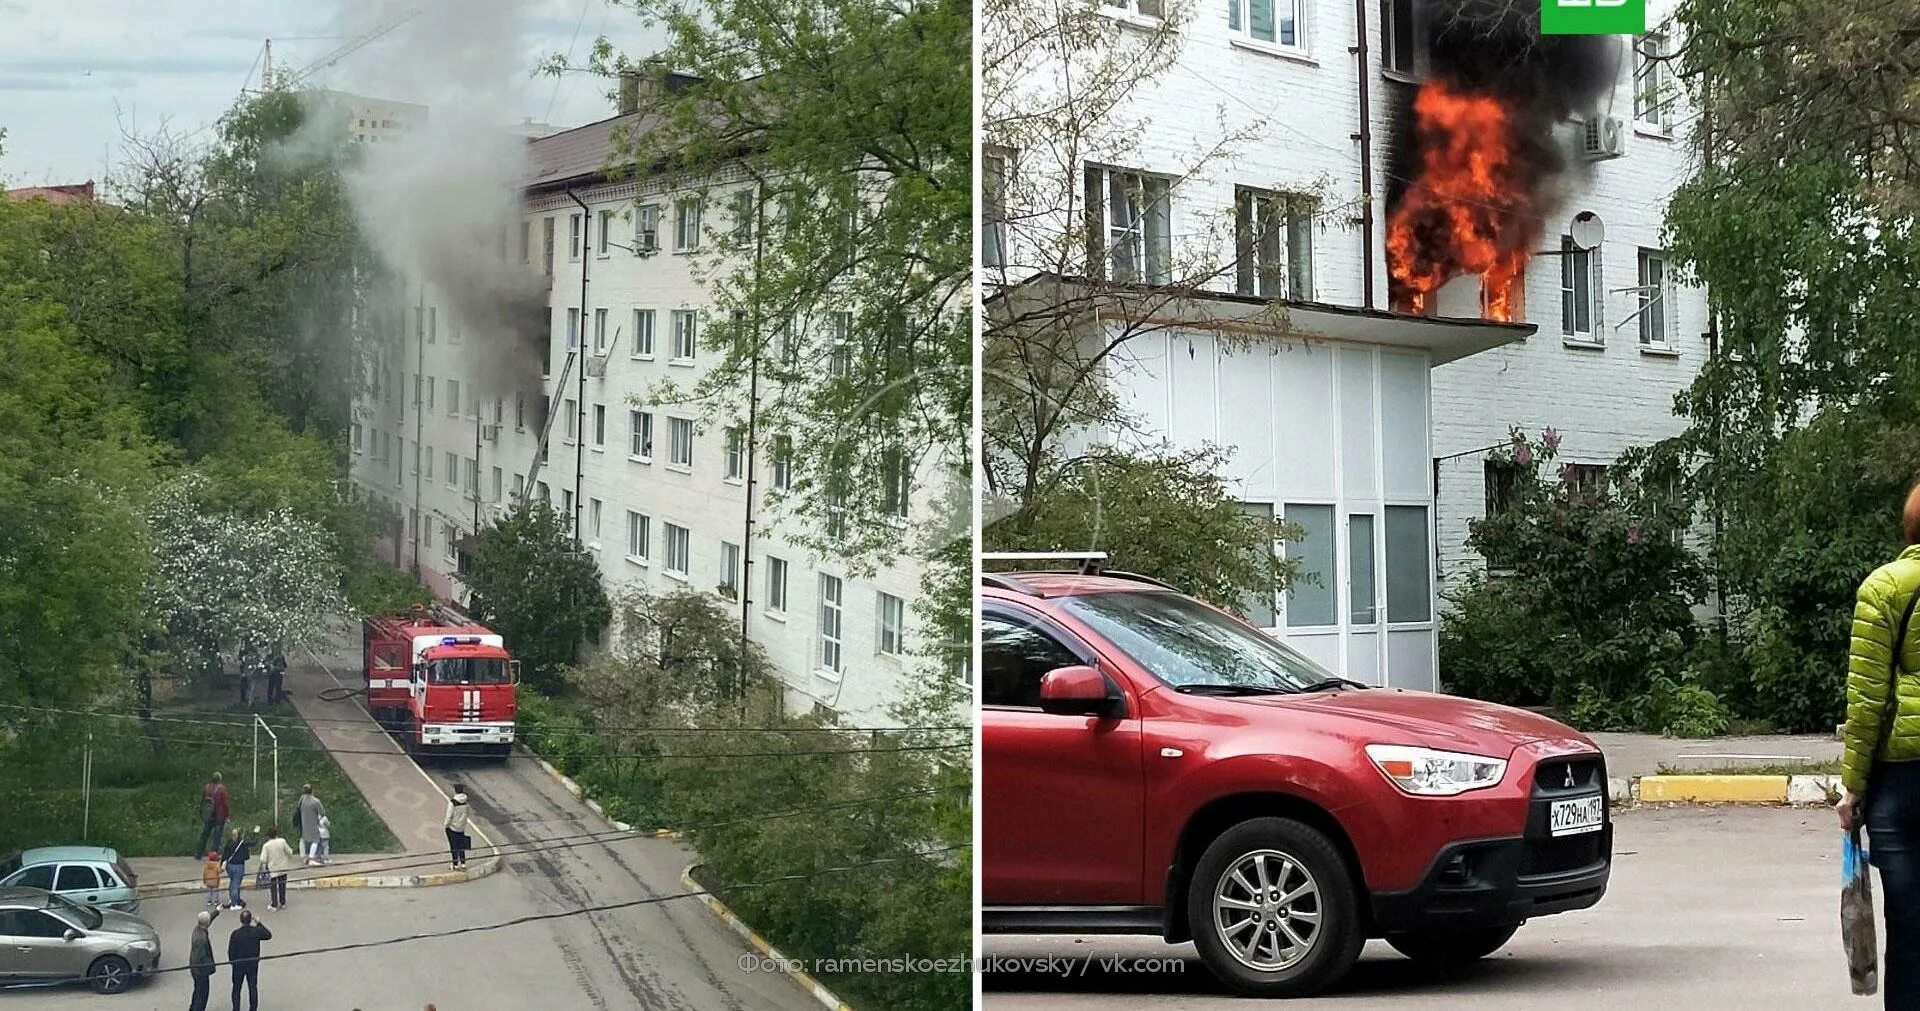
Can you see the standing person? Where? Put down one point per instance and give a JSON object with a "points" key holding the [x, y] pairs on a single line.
{"points": [[456, 824], [326, 839], [213, 813], [307, 812], [200, 962], [280, 862], [1881, 766], [210, 877], [247, 664], [276, 675], [238, 851], [243, 954]]}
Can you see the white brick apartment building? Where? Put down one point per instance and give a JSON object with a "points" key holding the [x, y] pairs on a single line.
{"points": [[1327, 430], [663, 486]]}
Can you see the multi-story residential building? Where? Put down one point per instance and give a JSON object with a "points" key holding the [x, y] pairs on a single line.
{"points": [[450, 428], [1367, 427], [375, 120]]}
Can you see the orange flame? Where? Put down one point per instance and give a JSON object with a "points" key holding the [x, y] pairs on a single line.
{"points": [[1468, 211]]}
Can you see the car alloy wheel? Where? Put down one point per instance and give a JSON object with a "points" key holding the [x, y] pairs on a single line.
{"points": [[1267, 910], [110, 974]]}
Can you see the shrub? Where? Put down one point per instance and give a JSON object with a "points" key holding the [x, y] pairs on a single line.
{"points": [[1493, 646]]}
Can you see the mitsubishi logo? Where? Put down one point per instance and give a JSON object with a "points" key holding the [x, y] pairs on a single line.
{"points": [[1570, 783]]}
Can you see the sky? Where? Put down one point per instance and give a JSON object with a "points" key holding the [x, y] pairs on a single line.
{"points": [[75, 74]]}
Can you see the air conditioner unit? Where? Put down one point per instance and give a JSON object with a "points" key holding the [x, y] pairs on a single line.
{"points": [[490, 432], [596, 366], [1602, 137]]}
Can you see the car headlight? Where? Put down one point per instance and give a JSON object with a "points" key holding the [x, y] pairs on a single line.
{"points": [[143, 946], [1425, 772]]}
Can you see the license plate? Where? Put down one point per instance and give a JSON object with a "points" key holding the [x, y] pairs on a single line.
{"points": [[1581, 814]]}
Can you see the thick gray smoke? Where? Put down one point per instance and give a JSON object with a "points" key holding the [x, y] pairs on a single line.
{"points": [[439, 203]]}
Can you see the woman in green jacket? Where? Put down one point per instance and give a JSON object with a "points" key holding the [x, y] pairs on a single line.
{"points": [[1881, 766]]}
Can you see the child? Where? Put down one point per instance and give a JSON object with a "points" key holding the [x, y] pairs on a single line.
{"points": [[326, 840], [210, 876]]}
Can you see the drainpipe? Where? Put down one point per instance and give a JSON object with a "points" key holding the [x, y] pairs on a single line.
{"points": [[580, 359], [752, 446], [1364, 68], [419, 414]]}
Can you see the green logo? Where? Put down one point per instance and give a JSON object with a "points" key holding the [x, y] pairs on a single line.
{"points": [[1593, 17]]}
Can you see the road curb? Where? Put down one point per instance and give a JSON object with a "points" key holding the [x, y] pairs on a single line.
{"points": [[479, 870], [574, 788], [1732, 789], [813, 986]]}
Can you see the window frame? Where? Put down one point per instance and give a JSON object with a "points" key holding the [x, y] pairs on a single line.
{"points": [[1659, 302], [1280, 218], [644, 320], [679, 541], [1152, 249], [831, 612], [777, 601], [1571, 298], [675, 428], [1653, 83], [1240, 27], [890, 626], [640, 436], [684, 326], [687, 212], [639, 535]]}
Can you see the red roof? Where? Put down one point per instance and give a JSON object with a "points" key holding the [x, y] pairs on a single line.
{"points": [[73, 193]]}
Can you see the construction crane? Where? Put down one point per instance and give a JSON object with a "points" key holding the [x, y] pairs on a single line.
{"points": [[291, 79]]}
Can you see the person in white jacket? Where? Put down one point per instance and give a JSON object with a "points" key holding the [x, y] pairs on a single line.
{"points": [[456, 824], [280, 860]]}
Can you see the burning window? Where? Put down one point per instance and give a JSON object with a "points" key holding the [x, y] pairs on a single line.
{"points": [[1397, 36], [1579, 291], [1129, 238], [1274, 239], [1276, 22]]}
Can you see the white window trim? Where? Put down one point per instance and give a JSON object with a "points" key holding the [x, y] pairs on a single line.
{"points": [[1130, 14], [653, 334], [1661, 127], [839, 638], [1242, 37], [673, 464], [666, 558], [880, 626], [1663, 344], [674, 357], [1596, 336], [646, 542], [779, 613], [652, 434]]}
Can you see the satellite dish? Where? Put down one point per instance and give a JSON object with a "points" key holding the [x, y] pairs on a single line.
{"points": [[1587, 232]]}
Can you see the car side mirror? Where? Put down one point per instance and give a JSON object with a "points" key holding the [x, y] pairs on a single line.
{"points": [[1078, 690], [71, 934]]}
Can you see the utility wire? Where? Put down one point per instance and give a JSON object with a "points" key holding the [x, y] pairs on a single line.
{"points": [[213, 742], [244, 721], [352, 868]]}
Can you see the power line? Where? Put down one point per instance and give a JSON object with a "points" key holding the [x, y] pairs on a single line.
{"points": [[352, 868], [233, 719], [193, 741]]}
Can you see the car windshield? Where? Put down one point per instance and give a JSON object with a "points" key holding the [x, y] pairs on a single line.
{"points": [[1190, 645], [467, 671], [86, 916]]}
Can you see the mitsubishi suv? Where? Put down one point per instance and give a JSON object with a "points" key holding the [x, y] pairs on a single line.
{"points": [[1153, 765]]}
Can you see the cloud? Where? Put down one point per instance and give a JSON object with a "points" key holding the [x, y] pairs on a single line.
{"points": [[167, 65], [31, 82]]}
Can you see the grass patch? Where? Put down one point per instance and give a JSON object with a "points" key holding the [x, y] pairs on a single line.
{"points": [[146, 794], [1826, 768]]}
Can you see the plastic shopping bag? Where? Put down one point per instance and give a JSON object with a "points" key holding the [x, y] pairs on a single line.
{"points": [[264, 881], [1857, 932]]}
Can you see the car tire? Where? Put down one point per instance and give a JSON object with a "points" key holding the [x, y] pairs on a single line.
{"points": [[109, 974], [1452, 947], [1313, 932]]}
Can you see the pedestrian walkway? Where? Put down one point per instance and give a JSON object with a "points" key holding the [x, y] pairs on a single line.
{"points": [[1630, 756]]}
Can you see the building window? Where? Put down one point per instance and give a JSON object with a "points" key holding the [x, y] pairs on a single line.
{"points": [[574, 237], [546, 493], [1398, 36], [519, 412], [742, 214], [1579, 291], [546, 233], [453, 470], [896, 483], [1409, 590], [637, 535], [1129, 240], [356, 437], [449, 538], [573, 419], [473, 478], [679, 550], [566, 507], [453, 398], [783, 462], [430, 392], [1656, 319], [526, 242], [1274, 238], [840, 350], [646, 229], [593, 519], [730, 570], [428, 457], [1134, 8], [686, 337], [599, 331], [776, 584], [736, 453], [1362, 602], [433, 324], [497, 482], [606, 226], [1586, 479], [993, 209], [893, 625], [680, 442], [1274, 22], [642, 333], [599, 426], [519, 487], [831, 606], [1653, 82], [641, 435], [573, 329], [686, 224], [1310, 598], [1259, 608]]}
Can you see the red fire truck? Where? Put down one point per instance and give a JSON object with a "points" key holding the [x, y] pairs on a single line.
{"points": [[440, 680]]}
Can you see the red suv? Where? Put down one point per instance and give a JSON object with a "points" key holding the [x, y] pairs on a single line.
{"points": [[1154, 765]]}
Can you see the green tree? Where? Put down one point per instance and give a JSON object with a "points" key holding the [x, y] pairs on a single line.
{"points": [[535, 585]]}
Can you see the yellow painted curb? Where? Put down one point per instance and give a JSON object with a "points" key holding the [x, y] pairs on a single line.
{"points": [[820, 993], [1714, 789]]}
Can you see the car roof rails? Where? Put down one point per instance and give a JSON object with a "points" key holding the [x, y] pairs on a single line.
{"points": [[1138, 578], [1091, 562], [1001, 580]]}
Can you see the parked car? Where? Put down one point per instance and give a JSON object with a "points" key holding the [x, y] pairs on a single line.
{"points": [[1152, 764], [47, 938], [89, 875]]}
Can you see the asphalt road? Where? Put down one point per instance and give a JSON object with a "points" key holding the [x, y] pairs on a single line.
{"points": [[669, 955], [1708, 909]]}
